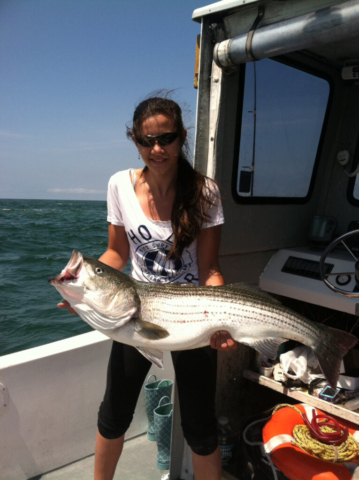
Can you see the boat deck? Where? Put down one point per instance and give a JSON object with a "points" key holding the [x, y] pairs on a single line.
{"points": [[138, 462]]}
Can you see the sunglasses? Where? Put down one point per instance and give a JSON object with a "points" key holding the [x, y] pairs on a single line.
{"points": [[162, 140]]}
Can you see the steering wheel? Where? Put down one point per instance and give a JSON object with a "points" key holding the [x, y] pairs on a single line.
{"points": [[324, 276]]}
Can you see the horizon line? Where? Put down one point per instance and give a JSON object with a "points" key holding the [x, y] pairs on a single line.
{"points": [[55, 199]]}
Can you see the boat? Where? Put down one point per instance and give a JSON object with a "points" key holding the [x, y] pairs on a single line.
{"points": [[277, 128]]}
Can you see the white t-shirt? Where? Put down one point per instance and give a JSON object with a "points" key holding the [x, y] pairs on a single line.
{"points": [[151, 240]]}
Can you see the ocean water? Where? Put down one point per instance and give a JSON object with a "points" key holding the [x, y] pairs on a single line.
{"points": [[36, 241]]}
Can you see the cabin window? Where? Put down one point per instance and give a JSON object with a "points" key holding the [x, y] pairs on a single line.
{"points": [[282, 117]]}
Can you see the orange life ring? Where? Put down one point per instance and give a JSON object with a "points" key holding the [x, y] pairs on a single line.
{"points": [[295, 463]]}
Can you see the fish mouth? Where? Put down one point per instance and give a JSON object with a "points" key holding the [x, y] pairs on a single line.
{"points": [[72, 269]]}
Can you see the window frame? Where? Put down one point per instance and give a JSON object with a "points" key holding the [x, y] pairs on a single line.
{"points": [[350, 192], [351, 183], [238, 126]]}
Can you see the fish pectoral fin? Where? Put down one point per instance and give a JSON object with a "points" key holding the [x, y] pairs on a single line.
{"points": [[102, 322], [154, 356], [268, 347], [149, 330]]}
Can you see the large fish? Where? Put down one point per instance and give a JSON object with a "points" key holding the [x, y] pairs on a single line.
{"points": [[155, 318]]}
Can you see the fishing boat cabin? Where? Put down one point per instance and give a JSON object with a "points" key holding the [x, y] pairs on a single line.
{"points": [[278, 128]]}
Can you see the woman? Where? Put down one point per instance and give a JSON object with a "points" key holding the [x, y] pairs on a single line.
{"points": [[167, 217]]}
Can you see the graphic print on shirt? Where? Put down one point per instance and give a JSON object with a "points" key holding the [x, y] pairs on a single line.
{"points": [[155, 265], [152, 259]]}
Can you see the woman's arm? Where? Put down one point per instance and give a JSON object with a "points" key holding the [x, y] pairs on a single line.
{"points": [[210, 274], [208, 248], [116, 255], [118, 249]]}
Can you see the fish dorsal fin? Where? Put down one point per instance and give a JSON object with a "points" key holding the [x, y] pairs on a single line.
{"points": [[149, 330], [268, 347], [254, 290], [101, 322], [153, 355]]}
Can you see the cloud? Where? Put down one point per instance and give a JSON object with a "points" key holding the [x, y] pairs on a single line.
{"points": [[86, 146], [17, 136], [78, 191]]}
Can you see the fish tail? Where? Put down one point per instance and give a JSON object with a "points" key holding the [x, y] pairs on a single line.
{"points": [[331, 350]]}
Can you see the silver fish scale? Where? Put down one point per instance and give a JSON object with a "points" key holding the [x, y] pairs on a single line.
{"points": [[225, 307]]}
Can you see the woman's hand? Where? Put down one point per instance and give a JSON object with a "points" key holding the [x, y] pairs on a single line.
{"points": [[210, 274], [223, 341], [65, 304]]}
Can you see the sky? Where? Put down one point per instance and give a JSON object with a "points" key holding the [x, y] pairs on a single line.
{"points": [[72, 72]]}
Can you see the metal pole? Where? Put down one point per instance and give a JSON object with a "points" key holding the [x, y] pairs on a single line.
{"points": [[315, 29], [254, 126]]}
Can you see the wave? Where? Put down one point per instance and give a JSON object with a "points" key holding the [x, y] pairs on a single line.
{"points": [[36, 241]]}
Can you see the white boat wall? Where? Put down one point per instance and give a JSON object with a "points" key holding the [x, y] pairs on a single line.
{"points": [[49, 399]]}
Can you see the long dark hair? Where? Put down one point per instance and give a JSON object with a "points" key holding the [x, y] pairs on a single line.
{"points": [[193, 197]]}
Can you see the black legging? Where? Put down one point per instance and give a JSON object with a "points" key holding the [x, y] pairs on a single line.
{"points": [[196, 377]]}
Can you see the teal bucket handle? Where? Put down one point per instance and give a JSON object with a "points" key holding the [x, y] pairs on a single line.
{"points": [[168, 398], [164, 380], [153, 375]]}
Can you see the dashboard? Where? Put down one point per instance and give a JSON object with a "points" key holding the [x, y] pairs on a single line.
{"points": [[294, 273]]}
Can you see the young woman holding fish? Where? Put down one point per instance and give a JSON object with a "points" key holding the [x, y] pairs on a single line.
{"points": [[167, 218]]}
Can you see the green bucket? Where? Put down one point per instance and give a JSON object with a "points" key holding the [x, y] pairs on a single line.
{"points": [[163, 430], [154, 391]]}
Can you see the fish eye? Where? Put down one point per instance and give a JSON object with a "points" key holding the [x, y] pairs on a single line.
{"points": [[98, 270]]}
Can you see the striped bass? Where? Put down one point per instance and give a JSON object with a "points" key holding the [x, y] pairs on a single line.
{"points": [[156, 318]]}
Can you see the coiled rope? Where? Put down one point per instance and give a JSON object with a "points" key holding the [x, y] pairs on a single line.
{"points": [[344, 451]]}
